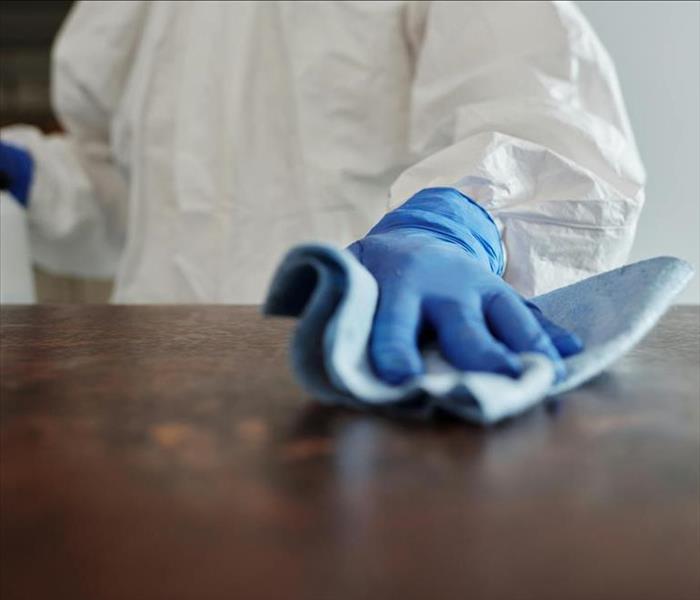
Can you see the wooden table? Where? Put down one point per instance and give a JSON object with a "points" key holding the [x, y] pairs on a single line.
{"points": [[166, 452]]}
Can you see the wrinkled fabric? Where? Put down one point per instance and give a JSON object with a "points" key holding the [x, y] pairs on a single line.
{"points": [[203, 139], [335, 298]]}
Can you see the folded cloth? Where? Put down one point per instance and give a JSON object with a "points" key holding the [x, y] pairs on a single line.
{"points": [[335, 298]]}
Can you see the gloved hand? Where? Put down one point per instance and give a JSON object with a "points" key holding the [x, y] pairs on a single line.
{"points": [[438, 260], [16, 170]]}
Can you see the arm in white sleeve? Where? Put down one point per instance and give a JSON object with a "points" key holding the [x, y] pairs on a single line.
{"points": [[517, 105], [78, 196]]}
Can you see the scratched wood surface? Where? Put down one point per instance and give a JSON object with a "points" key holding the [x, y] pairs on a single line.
{"points": [[166, 453]]}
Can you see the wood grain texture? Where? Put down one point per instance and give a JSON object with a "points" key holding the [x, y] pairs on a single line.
{"points": [[166, 452]]}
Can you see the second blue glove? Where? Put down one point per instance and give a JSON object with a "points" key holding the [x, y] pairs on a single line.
{"points": [[16, 171]]}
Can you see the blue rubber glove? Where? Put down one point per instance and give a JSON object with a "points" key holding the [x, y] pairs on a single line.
{"points": [[16, 171], [438, 262]]}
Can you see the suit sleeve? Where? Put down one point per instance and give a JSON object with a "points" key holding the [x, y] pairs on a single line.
{"points": [[517, 105], [79, 192]]}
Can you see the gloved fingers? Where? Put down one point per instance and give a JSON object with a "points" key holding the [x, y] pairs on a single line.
{"points": [[466, 342], [393, 346], [513, 322], [566, 342]]}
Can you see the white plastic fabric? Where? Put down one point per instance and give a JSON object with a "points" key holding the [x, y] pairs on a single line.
{"points": [[16, 277], [204, 138]]}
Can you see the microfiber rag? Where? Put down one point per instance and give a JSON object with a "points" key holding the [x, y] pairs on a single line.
{"points": [[335, 298]]}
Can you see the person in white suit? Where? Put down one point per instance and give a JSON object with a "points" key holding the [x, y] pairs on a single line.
{"points": [[203, 139]]}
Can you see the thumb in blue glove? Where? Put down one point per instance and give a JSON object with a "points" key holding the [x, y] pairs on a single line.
{"points": [[437, 260], [16, 171]]}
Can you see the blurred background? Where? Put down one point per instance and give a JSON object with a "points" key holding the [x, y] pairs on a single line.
{"points": [[655, 46]]}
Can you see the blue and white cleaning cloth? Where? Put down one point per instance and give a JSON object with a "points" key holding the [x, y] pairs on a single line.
{"points": [[335, 298]]}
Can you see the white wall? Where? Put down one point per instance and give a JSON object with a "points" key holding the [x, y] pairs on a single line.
{"points": [[655, 47]]}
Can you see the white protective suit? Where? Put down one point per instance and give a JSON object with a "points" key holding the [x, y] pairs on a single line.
{"points": [[204, 139]]}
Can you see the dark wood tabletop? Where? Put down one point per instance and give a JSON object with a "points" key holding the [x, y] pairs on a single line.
{"points": [[166, 453]]}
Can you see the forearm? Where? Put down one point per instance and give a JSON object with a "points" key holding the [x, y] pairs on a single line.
{"points": [[545, 148], [76, 203]]}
